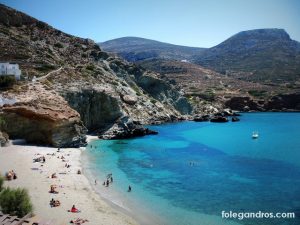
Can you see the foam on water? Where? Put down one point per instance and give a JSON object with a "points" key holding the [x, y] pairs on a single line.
{"points": [[191, 172]]}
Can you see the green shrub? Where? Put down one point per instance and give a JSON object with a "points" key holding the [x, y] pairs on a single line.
{"points": [[58, 45], [15, 202], [90, 67], [257, 93], [1, 182], [207, 95], [45, 68], [153, 101], [7, 81]]}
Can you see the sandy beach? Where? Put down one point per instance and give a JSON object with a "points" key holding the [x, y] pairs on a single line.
{"points": [[73, 188]]}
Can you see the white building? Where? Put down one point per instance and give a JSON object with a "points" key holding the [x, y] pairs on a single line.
{"points": [[10, 69]]}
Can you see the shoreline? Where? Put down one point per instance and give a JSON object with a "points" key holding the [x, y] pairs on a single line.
{"points": [[73, 188], [116, 198], [140, 206]]}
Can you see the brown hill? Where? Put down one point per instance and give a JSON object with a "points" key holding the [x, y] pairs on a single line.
{"points": [[104, 89]]}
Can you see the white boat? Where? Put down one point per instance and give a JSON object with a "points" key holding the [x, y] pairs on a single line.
{"points": [[255, 135]]}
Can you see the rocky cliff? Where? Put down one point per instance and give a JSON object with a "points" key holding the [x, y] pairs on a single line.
{"points": [[282, 102], [41, 116], [101, 87]]}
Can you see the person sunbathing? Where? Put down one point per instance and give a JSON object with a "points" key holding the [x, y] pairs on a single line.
{"points": [[52, 189], [54, 203], [74, 209], [11, 175], [53, 175], [78, 221]]}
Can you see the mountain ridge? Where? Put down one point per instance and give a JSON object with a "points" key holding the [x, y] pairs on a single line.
{"points": [[136, 49], [260, 55]]}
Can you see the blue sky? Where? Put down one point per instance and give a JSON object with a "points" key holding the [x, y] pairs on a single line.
{"points": [[185, 22]]}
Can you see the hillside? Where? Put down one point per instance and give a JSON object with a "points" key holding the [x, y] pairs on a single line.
{"points": [[208, 90], [267, 56], [136, 49], [98, 91], [257, 65], [263, 55]]}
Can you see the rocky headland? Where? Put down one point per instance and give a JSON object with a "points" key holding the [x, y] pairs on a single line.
{"points": [[70, 86]]}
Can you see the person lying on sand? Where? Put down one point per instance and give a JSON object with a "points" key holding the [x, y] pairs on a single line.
{"points": [[52, 189], [74, 210], [78, 221], [40, 159], [54, 203], [11, 175], [53, 175]]}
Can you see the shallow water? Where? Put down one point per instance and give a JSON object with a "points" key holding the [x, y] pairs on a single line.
{"points": [[191, 172]]}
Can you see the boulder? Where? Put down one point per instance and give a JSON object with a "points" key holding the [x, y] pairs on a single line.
{"points": [[235, 119], [219, 119], [129, 99], [201, 118], [126, 128]]}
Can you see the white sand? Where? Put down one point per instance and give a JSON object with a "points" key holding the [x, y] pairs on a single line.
{"points": [[73, 188]]}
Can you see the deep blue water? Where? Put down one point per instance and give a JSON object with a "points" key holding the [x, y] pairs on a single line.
{"points": [[191, 172]]}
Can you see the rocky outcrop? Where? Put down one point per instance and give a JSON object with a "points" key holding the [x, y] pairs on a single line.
{"points": [[126, 128], [4, 139], [203, 118], [242, 104], [219, 119], [235, 119], [42, 117], [163, 92], [98, 109], [282, 102], [101, 87]]}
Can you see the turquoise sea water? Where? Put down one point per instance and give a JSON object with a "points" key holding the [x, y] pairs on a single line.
{"points": [[191, 172]]}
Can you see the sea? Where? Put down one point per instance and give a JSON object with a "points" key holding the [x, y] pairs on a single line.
{"points": [[203, 173]]}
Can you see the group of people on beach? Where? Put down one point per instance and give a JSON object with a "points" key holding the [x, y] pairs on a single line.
{"points": [[109, 179], [53, 188], [54, 203]]}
